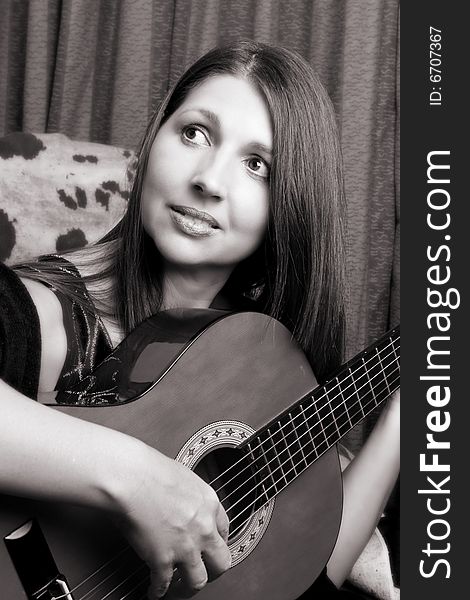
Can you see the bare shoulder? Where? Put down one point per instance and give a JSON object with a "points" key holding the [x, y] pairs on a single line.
{"points": [[53, 336]]}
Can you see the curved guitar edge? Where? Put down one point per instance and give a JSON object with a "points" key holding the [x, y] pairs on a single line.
{"points": [[243, 367]]}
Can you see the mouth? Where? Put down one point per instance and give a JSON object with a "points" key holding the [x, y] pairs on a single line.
{"points": [[192, 221]]}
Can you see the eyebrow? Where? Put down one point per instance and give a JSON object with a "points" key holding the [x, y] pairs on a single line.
{"points": [[214, 119], [261, 148], [210, 116]]}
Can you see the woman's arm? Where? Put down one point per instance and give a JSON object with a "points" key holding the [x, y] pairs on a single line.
{"points": [[170, 516], [367, 483]]}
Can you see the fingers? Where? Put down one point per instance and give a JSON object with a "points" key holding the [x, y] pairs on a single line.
{"points": [[161, 580], [215, 553], [222, 522], [193, 574], [193, 540], [217, 557], [193, 577]]}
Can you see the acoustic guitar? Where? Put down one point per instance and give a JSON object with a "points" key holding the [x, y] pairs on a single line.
{"points": [[232, 396]]}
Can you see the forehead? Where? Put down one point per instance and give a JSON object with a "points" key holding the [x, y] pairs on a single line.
{"points": [[236, 103]]}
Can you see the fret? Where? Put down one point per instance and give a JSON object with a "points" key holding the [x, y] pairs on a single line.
{"points": [[356, 397], [343, 400], [299, 442], [258, 466], [288, 445], [338, 409], [281, 447], [306, 433], [332, 411], [366, 370], [322, 419], [390, 361], [395, 341], [274, 461], [362, 386], [288, 430], [290, 439], [395, 378], [382, 370], [265, 491], [365, 387], [265, 473], [385, 393]]}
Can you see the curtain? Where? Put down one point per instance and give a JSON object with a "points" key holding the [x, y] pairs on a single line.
{"points": [[96, 69]]}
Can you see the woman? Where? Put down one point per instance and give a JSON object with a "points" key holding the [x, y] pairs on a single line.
{"points": [[237, 200]]}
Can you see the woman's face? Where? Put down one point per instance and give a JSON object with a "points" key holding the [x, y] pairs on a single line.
{"points": [[205, 193]]}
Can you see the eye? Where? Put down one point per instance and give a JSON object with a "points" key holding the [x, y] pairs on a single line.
{"points": [[258, 167], [195, 134]]}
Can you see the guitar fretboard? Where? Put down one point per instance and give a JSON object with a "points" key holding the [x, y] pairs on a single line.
{"points": [[287, 446]]}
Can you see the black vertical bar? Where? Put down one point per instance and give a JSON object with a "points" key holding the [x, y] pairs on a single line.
{"points": [[435, 131]]}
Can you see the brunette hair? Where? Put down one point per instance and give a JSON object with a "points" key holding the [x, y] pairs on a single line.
{"points": [[298, 274]]}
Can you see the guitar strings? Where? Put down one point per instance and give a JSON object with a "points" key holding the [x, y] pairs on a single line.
{"points": [[142, 566], [326, 440], [225, 472], [146, 579], [310, 406], [305, 433], [242, 524], [309, 429], [254, 474], [84, 581], [317, 400], [91, 593], [94, 590], [373, 401]]}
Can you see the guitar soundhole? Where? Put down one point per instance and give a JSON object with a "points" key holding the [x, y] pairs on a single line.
{"points": [[232, 475]]}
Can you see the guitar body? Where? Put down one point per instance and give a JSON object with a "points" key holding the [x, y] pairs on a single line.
{"points": [[224, 378]]}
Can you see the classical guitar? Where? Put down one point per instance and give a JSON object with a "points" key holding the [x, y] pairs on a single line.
{"points": [[233, 397]]}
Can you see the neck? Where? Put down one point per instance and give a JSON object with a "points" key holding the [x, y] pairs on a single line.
{"points": [[313, 424], [192, 288]]}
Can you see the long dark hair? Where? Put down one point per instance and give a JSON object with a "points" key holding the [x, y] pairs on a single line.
{"points": [[298, 274]]}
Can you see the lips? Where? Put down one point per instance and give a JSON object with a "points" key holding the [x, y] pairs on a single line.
{"points": [[192, 221]]}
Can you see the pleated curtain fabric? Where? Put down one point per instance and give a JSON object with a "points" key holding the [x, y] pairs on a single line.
{"points": [[96, 69]]}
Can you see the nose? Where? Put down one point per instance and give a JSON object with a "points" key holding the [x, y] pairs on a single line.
{"points": [[210, 177]]}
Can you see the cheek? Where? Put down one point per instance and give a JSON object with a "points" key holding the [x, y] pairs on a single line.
{"points": [[162, 183], [252, 215], [161, 170], [168, 162]]}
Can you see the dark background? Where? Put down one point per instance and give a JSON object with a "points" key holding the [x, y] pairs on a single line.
{"points": [[425, 129]]}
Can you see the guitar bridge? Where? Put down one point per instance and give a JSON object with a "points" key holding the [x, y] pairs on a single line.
{"points": [[56, 590], [35, 564]]}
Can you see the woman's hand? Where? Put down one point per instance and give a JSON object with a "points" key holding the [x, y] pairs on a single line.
{"points": [[173, 519], [169, 515]]}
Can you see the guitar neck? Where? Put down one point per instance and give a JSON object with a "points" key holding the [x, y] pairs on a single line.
{"points": [[294, 440]]}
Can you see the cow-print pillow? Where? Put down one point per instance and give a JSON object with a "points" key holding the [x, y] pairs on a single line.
{"points": [[57, 194]]}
